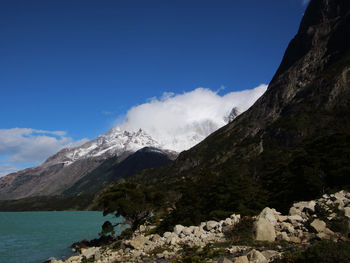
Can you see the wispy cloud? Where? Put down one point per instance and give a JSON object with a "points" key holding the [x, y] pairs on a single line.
{"points": [[178, 121], [26, 145]]}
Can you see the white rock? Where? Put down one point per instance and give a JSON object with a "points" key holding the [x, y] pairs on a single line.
{"points": [[89, 252], [264, 230], [211, 225], [269, 214], [178, 229], [187, 231], [228, 222], [167, 234]]}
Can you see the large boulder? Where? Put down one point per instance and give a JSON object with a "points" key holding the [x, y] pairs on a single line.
{"points": [[269, 214], [264, 230]]}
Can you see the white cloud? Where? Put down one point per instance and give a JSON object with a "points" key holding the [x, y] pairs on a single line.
{"points": [[180, 121], [25, 145]]}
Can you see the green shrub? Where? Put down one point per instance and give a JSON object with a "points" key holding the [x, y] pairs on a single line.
{"points": [[320, 252], [242, 232]]}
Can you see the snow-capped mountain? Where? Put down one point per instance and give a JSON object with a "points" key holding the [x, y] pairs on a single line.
{"points": [[113, 143], [70, 166]]}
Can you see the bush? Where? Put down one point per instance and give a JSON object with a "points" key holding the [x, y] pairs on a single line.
{"points": [[320, 252], [241, 233], [135, 203]]}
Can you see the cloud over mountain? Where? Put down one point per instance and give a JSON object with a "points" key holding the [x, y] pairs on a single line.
{"points": [[178, 121]]}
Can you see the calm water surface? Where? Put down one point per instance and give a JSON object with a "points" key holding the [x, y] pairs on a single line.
{"points": [[33, 237]]}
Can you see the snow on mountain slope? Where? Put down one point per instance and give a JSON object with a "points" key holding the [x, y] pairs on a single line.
{"points": [[114, 142]]}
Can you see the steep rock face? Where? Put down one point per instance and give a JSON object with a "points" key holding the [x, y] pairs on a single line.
{"points": [[293, 142], [62, 170]]}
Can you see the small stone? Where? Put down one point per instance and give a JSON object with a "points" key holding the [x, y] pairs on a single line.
{"points": [[318, 225]]}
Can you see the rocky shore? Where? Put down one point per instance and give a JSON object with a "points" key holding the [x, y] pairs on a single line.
{"points": [[271, 233]]}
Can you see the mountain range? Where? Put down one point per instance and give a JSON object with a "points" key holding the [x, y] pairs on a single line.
{"points": [[87, 168]]}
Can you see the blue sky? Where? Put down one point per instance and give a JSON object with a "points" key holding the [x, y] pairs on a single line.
{"points": [[78, 66]]}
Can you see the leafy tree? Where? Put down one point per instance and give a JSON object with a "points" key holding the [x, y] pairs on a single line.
{"points": [[134, 202]]}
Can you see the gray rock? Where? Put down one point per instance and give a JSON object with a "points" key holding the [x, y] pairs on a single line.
{"points": [[264, 230]]}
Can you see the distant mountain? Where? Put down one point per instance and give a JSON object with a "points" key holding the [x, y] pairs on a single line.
{"points": [[62, 170], [292, 144], [112, 169], [78, 170]]}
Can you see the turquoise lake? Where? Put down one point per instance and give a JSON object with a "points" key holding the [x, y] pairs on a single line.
{"points": [[33, 237]]}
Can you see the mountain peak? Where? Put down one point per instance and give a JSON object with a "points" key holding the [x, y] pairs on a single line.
{"points": [[114, 142]]}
